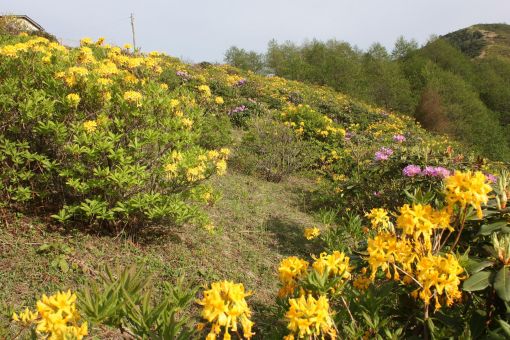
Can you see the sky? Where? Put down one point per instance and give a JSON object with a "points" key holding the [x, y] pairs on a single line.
{"points": [[202, 30]]}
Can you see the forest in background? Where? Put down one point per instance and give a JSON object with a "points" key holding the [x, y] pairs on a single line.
{"points": [[457, 84]]}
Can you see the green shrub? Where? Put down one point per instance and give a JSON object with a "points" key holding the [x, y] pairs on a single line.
{"points": [[273, 150], [126, 300], [215, 132]]}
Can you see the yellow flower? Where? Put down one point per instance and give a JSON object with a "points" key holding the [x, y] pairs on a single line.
{"points": [[334, 264], [188, 123], [174, 103], [106, 96], [127, 46], [219, 100], [73, 99], [467, 188], [86, 41], [311, 233], [107, 68], [100, 41], [104, 81], [195, 174], [224, 305], [379, 218], [290, 271], [420, 220], [90, 125], [163, 86], [225, 152], [205, 90], [56, 317], [385, 250], [26, 317], [310, 317], [221, 167], [47, 58], [440, 274], [133, 97]]}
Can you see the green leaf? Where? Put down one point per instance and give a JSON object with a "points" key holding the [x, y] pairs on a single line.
{"points": [[502, 284], [504, 326], [474, 266], [478, 281], [488, 229]]}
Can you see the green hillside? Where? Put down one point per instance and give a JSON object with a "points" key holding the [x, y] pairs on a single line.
{"points": [[441, 83], [483, 40], [187, 201]]}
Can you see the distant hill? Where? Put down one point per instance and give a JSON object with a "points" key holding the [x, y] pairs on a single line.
{"points": [[482, 40]]}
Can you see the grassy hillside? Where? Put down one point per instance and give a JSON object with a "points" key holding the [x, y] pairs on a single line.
{"points": [[441, 83], [111, 157], [482, 40]]}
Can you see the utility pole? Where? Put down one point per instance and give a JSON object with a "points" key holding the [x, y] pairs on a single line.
{"points": [[133, 31]]}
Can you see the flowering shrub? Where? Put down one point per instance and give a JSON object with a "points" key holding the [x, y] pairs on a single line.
{"points": [[100, 138]]}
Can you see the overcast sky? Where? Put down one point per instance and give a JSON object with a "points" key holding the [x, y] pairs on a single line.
{"points": [[201, 30]]}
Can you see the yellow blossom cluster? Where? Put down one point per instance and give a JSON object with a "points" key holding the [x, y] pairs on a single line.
{"points": [[90, 125], [205, 90], [306, 121], [290, 271], [442, 274], [334, 264], [379, 218], [201, 166], [73, 75], [410, 253], [224, 306], [421, 220], [133, 97], [310, 317], [233, 79], [311, 233], [56, 317], [73, 99], [467, 189]]}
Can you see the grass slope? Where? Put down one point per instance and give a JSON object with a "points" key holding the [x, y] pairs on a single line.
{"points": [[482, 40], [259, 223]]}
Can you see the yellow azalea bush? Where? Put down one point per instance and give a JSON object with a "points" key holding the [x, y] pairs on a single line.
{"points": [[122, 147], [411, 253]]}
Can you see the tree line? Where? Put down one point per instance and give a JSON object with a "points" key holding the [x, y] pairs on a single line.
{"points": [[446, 90]]}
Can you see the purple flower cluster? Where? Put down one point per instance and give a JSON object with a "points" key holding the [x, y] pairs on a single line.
{"points": [[183, 74], [436, 171], [240, 82], [399, 138], [383, 154], [411, 170], [238, 109], [430, 171], [491, 178]]}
